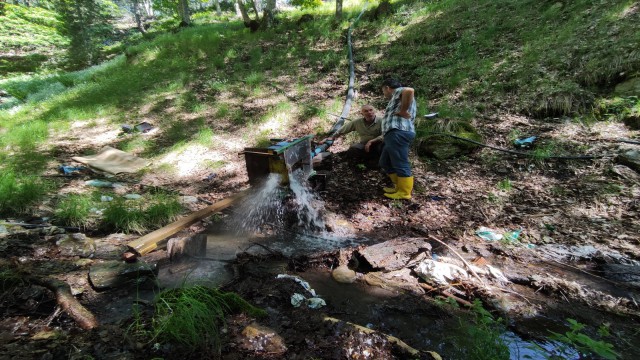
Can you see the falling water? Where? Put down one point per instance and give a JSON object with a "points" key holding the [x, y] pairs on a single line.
{"points": [[270, 206], [309, 207], [260, 208]]}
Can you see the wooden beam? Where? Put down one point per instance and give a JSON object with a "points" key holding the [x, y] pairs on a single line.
{"points": [[150, 242]]}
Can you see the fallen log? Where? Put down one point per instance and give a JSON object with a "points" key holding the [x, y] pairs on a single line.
{"points": [[152, 241], [392, 339], [68, 302]]}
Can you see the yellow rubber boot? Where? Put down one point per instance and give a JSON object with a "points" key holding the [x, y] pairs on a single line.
{"points": [[394, 180], [405, 187]]}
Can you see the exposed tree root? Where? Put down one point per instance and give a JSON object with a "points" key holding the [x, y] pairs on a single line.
{"points": [[85, 318]]}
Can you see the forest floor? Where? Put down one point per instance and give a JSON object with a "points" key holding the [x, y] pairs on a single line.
{"points": [[576, 257]]}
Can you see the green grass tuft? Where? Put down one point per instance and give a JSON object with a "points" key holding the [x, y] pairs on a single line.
{"points": [[192, 316], [74, 210], [19, 192], [139, 217]]}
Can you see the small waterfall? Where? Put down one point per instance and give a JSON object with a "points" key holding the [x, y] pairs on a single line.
{"points": [[262, 207], [309, 207], [271, 207]]}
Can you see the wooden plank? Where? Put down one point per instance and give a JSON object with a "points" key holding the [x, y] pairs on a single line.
{"points": [[150, 242]]}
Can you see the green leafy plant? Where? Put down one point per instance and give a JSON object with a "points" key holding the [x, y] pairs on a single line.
{"points": [[584, 344], [576, 341], [481, 337]]}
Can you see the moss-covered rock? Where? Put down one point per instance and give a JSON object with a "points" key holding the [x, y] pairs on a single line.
{"points": [[434, 141], [629, 87]]}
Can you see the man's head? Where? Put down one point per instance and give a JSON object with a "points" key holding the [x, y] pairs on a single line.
{"points": [[388, 86], [369, 113]]}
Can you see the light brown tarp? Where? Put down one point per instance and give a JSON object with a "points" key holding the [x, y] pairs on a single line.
{"points": [[113, 161]]}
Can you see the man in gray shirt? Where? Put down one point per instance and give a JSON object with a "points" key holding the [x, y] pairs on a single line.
{"points": [[369, 127]]}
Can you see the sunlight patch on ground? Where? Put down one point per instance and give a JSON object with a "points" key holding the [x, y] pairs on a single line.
{"points": [[275, 123], [629, 10], [93, 134], [188, 160], [610, 130]]}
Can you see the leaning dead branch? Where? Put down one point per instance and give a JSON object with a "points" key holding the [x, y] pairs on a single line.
{"points": [[460, 257]]}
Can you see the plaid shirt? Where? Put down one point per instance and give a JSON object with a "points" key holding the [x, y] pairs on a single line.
{"points": [[390, 121]]}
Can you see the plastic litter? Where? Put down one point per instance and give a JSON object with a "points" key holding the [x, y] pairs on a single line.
{"points": [[133, 196], [496, 273], [3, 230], [525, 143], [126, 128], [210, 177], [512, 236], [143, 127], [304, 284], [297, 299], [105, 198], [69, 170], [99, 183], [315, 303], [488, 234], [440, 272]]}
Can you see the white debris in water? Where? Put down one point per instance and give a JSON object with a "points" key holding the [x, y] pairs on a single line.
{"points": [[440, 272]]}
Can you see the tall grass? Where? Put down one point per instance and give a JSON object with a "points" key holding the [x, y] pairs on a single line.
{"points": [[540, 58], [192, 316], [18, 193], [74, 210], [137, 216]]}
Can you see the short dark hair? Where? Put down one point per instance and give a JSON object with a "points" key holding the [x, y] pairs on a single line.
{"points": [[392, 83]]}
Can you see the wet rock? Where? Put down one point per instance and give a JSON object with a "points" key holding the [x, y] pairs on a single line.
{"points": [[395, 254], [113, 274], [343, 274], [75, 245], [629, 274], [261, 339], [195, 246], [444, 147], [631, 159], [625, 173], [399, 280]]}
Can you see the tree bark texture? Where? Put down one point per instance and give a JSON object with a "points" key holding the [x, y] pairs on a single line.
{"points": [[68, 302]]}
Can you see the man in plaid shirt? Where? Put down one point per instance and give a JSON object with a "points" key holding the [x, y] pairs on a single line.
{"points": [[399, 132]]}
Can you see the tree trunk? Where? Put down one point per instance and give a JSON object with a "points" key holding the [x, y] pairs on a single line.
{"points": [[339, 9], [218, 10], [268, 14], [255, 9], [243, 12], [137, 14], [183, 10], [147, 5]]}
